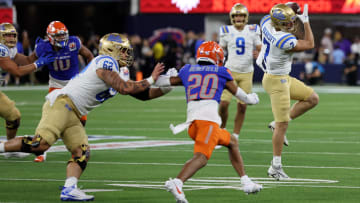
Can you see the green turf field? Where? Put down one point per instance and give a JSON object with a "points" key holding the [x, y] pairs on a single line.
{"points": [[323, 158]]}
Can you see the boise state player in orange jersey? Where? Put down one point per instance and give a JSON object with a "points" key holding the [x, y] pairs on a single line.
{"points": [[66, 65], [204, 84]]}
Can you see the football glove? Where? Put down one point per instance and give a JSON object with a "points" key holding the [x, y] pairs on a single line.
{"points": [[304, 17], [252, 98], [44, 60]]}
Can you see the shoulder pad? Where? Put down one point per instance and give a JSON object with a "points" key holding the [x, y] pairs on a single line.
{"points": [[283, 39], [253, 27], [224, 29], [107, 63], [4, 51], [264, 20]]}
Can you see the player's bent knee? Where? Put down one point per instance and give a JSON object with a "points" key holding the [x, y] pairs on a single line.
{"points": [[83, 159], [35, 145], [314, 99], [13, 124]]}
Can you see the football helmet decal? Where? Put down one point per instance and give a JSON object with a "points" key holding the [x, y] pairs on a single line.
{"points": [[8, 35], [283, 17], [117, 46], [212, 52], [239, 9], [58, 34]]}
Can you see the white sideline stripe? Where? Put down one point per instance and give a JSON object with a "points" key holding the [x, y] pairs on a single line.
{"points": [[126, 145], [205, 185], [181, 164]]}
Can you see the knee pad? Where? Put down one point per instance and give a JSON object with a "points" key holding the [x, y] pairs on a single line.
{"points": [[81, 161], [13, 124], [27, 143]]}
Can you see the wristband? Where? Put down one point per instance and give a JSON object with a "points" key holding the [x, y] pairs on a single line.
{"points": [[150, 80]]}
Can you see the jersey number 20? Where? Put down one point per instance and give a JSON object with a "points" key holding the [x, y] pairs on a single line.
{"points": [[203, 82]]}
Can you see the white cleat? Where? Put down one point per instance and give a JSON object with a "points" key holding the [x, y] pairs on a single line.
{"points": [[249, 187], [175, 187], [9, 155], [277, 172], [74, 194], [272, 127]]}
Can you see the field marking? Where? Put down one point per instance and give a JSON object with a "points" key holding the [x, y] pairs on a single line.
{"points": [[181, 164], [202, 183]]}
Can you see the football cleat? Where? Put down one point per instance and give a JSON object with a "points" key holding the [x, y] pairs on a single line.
{"points": [[175, 187], [272, 127], [8, 155], [73, 193], [277, 172], [251, 187], [40, 158]]}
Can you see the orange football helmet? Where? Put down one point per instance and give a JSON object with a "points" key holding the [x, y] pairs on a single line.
{"points": [[212, 52], [58, 34]]}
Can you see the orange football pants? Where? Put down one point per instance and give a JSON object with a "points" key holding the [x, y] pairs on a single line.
{"points": [[207, 135]]}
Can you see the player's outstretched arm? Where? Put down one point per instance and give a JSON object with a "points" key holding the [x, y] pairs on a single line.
{"points": [[129, 87], [10, 66], [240, 94], [308, 42]]}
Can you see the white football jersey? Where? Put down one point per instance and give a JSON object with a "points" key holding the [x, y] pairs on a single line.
{"points": [[6, 52], [86, 89], [240, 46], [274, 56]]}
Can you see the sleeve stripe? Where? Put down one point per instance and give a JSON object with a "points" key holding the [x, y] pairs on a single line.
{"points": [[264, 20], [222, 29], [282, 39], [281, 46], [225, 29]]}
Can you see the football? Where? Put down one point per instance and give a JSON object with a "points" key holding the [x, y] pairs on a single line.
{"points": [[295, 7]]}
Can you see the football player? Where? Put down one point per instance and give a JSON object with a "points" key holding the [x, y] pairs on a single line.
{"points": [[9, 58], [99, 81], [242, 42], [275, 58], [204, 84], [66, 64]]}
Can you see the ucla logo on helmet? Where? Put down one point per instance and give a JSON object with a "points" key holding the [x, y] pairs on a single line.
{"points": [[278, 14], [115, 38]]}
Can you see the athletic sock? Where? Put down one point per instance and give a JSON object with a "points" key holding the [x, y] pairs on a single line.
{"points": [[71, 181], [277, 160]]}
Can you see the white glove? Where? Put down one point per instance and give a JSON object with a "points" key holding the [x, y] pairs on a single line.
{"points": [[172, 72], [304, 17], [252, 98]]}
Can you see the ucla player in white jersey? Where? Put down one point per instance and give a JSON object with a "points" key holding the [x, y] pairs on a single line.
{"points": [[275, 58], [9, 58], [242, 42], [104, 76]]}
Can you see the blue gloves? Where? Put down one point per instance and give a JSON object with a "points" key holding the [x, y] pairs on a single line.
{"points": [[44, 60]]}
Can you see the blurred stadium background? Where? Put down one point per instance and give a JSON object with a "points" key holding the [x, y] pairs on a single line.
{"points": [[167, 30]]}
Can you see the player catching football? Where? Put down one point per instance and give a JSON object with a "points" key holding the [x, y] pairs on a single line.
{"points": [[275, 58]]}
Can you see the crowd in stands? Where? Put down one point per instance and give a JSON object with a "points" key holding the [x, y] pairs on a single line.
{"points": [[332, 48]]}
